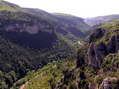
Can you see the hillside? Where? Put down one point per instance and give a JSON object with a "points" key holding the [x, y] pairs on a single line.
{"points": [[41, 78], [101, 19], [16, 61], [33, 24], [97, 65], [72, 27], [71, 22], [28, 42]]}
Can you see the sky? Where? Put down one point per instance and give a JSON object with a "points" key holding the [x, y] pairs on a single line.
{"points": [[81, 8]]}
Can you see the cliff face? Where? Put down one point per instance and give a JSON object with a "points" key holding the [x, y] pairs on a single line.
{"points": [[101, 43], [102, 55], [38, 29], [28, 34]]}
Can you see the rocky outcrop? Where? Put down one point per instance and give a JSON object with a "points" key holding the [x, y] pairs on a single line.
{"points": [[98, 33], [98, 62], [80, 60], [92, 56], [98, 50], [95, 54], [32, 34], [113, 45], [110, 83], [91, 86]]}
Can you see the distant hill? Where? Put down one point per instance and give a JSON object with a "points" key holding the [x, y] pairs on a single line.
{"points": [[101, 19]]}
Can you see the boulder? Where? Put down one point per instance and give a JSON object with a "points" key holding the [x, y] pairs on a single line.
{"points": [[110, 83]]}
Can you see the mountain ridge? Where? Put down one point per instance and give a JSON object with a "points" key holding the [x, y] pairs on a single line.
{"points": [[101, 19]]}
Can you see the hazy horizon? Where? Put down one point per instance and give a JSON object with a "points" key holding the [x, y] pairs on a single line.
{"points": [[80, 8]]}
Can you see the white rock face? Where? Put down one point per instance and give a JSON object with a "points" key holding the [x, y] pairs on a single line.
{"points": [[32, 29], [108, 82], [80, 43]]}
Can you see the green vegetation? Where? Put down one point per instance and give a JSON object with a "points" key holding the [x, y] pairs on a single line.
{"points": [[8, 7], [111, 29], [51, 65], [46, 77], [113, 25], [16, 61], [111, 62], [70, 75]]}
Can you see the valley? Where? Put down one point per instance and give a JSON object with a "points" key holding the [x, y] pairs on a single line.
{"points": [[42, 50], [95, 67]]}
